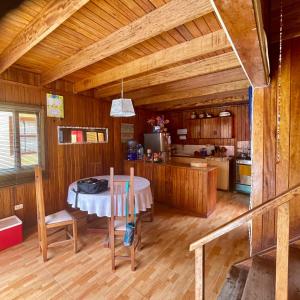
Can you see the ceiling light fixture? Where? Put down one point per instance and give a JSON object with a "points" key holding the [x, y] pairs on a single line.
{"points": [[122, 107]]}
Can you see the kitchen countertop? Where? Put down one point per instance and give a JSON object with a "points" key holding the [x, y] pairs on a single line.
{"points": [[183, 165], [207, 157], [179, 165]]}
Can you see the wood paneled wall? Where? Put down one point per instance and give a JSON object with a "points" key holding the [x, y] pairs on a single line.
{"points": [[64, 163], [271, 178], [241, 126]]}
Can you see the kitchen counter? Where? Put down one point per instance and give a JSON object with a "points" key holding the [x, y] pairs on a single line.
{"points": [[190, 189], [225, 165]]}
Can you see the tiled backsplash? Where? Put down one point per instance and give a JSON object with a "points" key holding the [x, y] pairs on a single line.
{"points": [[190, 149]]}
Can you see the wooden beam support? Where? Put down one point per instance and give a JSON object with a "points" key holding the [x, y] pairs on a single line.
{"points": [[209, 65], [197, 92], [191, 49], [220, 99], [53, 15], [282, 253], [199, 273], [170, 15], [242, 21]]}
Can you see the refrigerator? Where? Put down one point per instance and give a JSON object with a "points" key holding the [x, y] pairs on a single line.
{"points": [[158, 142]]}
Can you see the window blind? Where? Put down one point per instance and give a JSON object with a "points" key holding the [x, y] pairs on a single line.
{"points": [[21, 142]]}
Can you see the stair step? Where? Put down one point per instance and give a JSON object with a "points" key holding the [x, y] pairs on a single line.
{"points": [[260, 283], [234, 285]]}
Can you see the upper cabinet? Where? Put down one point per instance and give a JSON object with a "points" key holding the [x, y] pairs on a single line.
{"points": [[226, 127], [194, 129], [210, 128]]}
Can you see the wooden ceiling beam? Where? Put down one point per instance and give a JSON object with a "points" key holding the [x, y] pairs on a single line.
{"points": [[197, 92], [53, 15], [168, 16], [205, 66], [242, 22], [230, 75], [219, 99], [197, 47]]}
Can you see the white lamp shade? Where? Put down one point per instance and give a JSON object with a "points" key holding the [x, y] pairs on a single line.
{"points": [[122, 108]]}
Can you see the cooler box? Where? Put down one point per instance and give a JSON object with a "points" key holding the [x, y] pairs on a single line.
{"points": [[11, 232]]}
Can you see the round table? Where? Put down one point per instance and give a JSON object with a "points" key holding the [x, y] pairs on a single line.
{"points": [[100, 204]]}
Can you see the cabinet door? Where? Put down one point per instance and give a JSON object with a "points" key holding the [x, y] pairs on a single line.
{"points": [[210, 128], [194, 129], [226, 127]]}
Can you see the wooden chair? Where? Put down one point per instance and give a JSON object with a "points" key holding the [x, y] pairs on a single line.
{"points": [[117, 224], [61, 220], [148, 215]]}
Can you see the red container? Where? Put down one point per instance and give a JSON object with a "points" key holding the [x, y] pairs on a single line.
{"points": [[11, 232]]}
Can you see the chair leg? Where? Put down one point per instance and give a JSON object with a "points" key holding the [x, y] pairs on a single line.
{"points": [[107, 242], [112, 246], [44, 245], [66, 231], [39, 238], [139, 234], [75, 235], [132, 257]]}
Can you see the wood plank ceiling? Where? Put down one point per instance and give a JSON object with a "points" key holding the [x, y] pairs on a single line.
{"points": [[171, 53]]}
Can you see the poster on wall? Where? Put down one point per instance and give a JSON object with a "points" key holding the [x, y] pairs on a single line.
{"points": [[127, 132], [55, 106]]}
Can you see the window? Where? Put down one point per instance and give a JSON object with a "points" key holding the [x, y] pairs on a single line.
{"points": [[21, 142]]}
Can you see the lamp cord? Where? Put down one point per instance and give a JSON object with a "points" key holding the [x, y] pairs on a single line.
{"points": [[122, 89]]}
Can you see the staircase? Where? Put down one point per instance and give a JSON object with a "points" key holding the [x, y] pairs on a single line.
{"points": [[254, 278], [271, 274]]}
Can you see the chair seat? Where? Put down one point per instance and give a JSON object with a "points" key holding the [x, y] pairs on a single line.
{"points": [[61, 216]]}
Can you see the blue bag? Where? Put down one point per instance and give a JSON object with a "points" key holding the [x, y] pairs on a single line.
{"points": [[130, 226]]}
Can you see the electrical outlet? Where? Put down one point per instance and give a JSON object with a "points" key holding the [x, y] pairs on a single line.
{"points": [[18, 206]]}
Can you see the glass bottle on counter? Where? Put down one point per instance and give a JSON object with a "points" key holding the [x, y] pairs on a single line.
{"points": [[149, 155], [140, 152]]}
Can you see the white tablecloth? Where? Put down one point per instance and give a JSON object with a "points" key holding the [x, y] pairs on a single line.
{"points": [[100, 204]]}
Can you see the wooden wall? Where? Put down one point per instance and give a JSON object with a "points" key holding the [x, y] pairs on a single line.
{"points": [[241, 127], [269, 177], [65, 163]]}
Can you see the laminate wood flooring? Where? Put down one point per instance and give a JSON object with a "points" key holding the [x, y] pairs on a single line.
{"points": [[165, 267]]}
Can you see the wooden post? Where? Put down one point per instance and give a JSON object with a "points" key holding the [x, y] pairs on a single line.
{"points": [[282, 255], [199, 273]]}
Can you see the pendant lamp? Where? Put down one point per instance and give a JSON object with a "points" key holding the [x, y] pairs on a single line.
{"points": [[122, 107]]}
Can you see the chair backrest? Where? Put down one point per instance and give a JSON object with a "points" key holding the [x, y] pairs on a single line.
{"points": [[39, 196], [118, 193]]}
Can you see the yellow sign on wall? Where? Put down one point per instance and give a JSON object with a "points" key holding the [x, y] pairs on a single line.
{"points": [[55, 106]]}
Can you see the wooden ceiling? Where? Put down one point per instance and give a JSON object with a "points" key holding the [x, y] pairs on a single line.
{"points": [[171, 53]]}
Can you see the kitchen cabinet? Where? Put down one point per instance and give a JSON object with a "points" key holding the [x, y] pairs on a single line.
{"points": [[211, 128], [194, 129], [225, 169], [226, 127]]}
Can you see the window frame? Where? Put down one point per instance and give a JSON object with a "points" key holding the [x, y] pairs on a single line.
{"points": [[20, 174]]}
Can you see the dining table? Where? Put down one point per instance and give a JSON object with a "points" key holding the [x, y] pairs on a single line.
{"points": [[100, 204]]}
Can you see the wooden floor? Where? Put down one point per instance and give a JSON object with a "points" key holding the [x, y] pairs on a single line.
{"points": [[165, 266]]}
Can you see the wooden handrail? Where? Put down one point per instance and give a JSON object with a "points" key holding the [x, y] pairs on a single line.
{"points": [[247, 216]]}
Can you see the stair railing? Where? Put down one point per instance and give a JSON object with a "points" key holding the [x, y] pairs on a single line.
{"points": [[280, 202]]}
